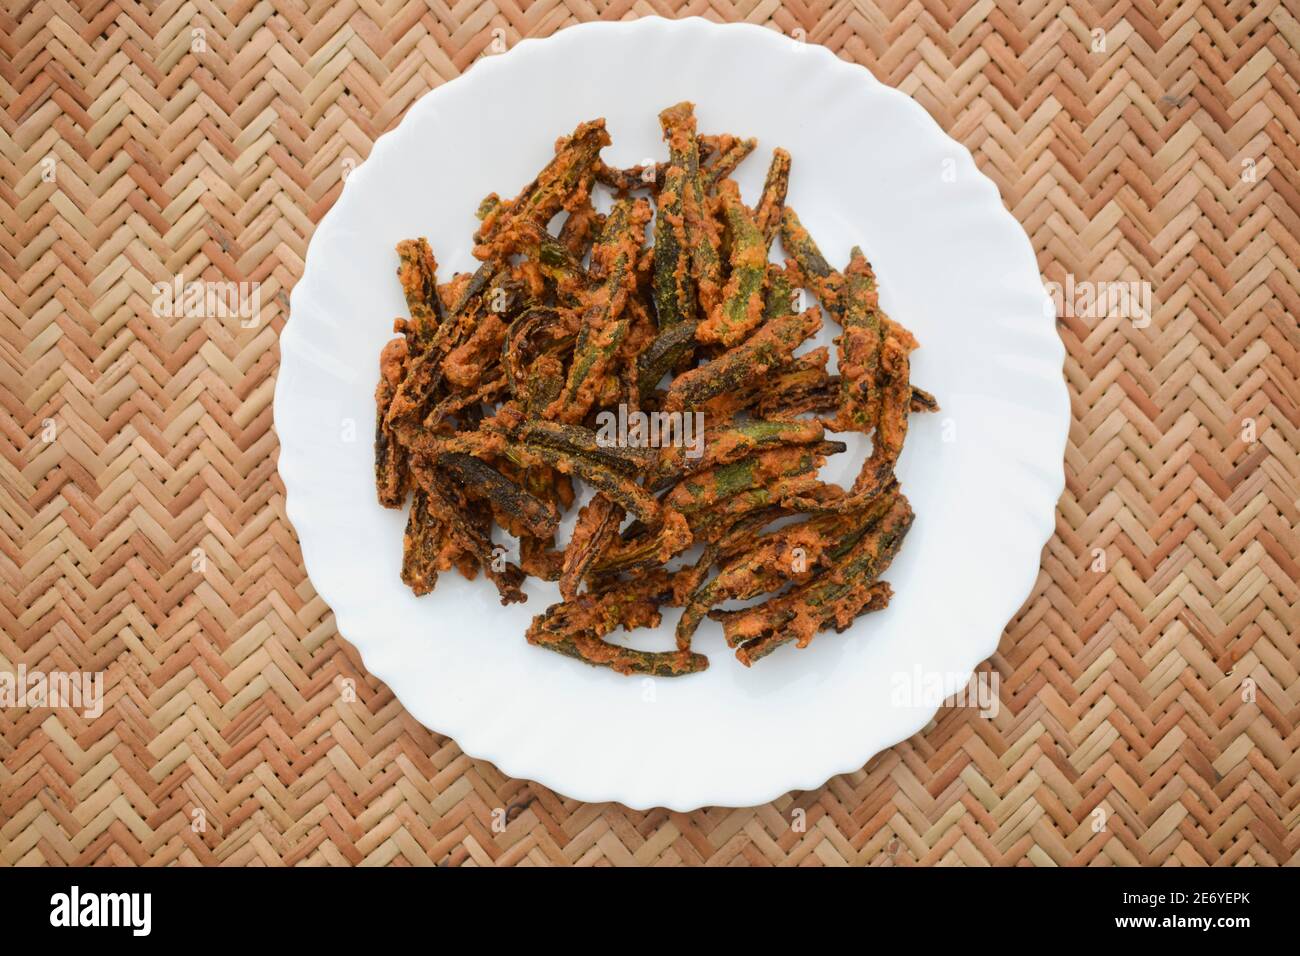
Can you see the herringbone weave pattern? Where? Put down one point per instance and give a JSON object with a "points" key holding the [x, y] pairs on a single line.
{"points": [[1152, 676]]}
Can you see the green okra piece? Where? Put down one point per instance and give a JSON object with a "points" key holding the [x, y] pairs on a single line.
{"points": [[576, 628], [555, 185], [709, 525], [731, 443], [742, 300], [391, 473], [923, 401], [645, 176], [798, 614], [824, 281], [534, 333], [423, 544], [627, 660], [771, 346], [674, 289], [774, 560], [618, 487], [604, 325], [596, 528], [575, 439], [665, 352], [778, 300], [539, 518], [558, 265], [727, 162], [860, 346], [767, 216], [701, 232], [471, 527], [417, 272], [424, 375], [707, 489]]}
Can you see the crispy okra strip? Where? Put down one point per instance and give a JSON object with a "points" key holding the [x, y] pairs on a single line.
{"points": [[771, 346], [701, 230], [674, 288], [731, 443], [741, 310], [462, 401], [923, 401], [596, 528], [704, 491], [576, 628], [779, 299], [830, 598], [825, 282], [580, 228], [664, 353], [789, 554], [626, 660], [561, 267], [469, 526], [604, 325], [424, 374], [426, 548], [643, 176], [860, 346], [618, 487], [391, 477], [727, 161], [578, 440], [480, 480], [536, 332], [561, 182], [767, 216], [894, 403], [417, 272]]}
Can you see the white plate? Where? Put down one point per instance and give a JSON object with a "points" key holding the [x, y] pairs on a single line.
{"points": [[869, 167]]}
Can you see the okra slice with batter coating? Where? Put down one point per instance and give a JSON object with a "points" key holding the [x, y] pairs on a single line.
{"points": [[596, 528], [618, 487], [816, 273], [674, 287], [923, 401], [479, 479], [786, 555], [799, 614], [895, 402], [426, 545], [771, 346], [731, 157], [665, 352], [701, 230], [578, 440], [859, 347], [417, 272], [561, 182], [576, 628], [391, 477], [742, 305], [555, 631], [730, 443], [613, 261], [767, 215], [470, 527], [781, 296], [701, 492]]}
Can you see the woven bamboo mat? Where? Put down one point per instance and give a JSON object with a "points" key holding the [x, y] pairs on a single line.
{"points": [[1148, 690]]}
